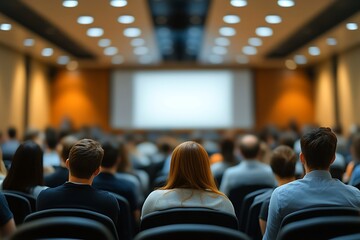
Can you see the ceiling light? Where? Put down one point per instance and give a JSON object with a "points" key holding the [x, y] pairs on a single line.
{"points": [[29, 42], [331, 41], [95, 32], [141, 50], [227, 31], [118, 3], [126, 19], [136, 42], [72, 66], [300, 59], [231, 19], [352, 26], [314, 51], [242, 59], [249, 50], [219, 50], [254, 41], [5, 26], [238, 3], [264, 31], [216, 59], [118, 59], [290, 64], [273, 19], [286, 3], [221, 41], [104, 42], [132, 32], [63, 60], [85, 20], [146, 59], [47, 52], [110, 51], [70, 3]]}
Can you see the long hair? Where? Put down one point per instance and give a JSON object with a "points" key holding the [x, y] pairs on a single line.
{"points": [[190, 168], [26, 169]]}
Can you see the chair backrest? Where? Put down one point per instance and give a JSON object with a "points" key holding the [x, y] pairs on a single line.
{"points": [[319, 212], [320, 228], [188, 215], [347, 237], [30, 198], [191, 231], [62, 227], [245, 206], [252, 226], [19, 206], [126, 224], [72, 212]]}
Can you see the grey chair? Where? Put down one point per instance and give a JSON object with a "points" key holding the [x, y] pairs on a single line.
{"points": [[18, 205]]}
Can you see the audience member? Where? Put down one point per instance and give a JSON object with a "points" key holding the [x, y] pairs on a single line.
{"points": [[83, 164], [317, 188], [190, 183], [355, 152], [7, 223], [3, 170], [10, 145], [26, 171], [51, 156], [250, 170]]}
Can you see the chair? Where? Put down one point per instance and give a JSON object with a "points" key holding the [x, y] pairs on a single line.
{"points": [[30, 198], [191, 231], [188, 215], [320, 228], [245, 206], [62, 227], [18, 205], [72, 212], [319, 212], [348, 237], [125, 226]]}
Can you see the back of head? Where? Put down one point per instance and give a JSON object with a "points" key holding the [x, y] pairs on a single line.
{"points": [[85, 158], [110, 154], [51, 138], [249, 146], [11, 132], [283, 161], [66, 144], [190, 168], [227, 147], [318, 147], [355, 145]]}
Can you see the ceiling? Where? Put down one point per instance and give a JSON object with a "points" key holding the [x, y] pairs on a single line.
{"points": [[180, 32]]}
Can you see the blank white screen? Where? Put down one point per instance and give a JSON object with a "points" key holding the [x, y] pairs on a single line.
{"points": [[182, 99]]}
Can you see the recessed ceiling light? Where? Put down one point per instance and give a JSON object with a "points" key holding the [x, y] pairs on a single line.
{"points": [[141, 50], [286, 3], [145, 59], [95, 32], [300, 59], [136, 42], [238, 3], [249, 50], [254, 41], [104, 42], [5, 26], [63, 60], [110, 51], [29, 42], [118, 3], [231, 19], [72, 66], [132, 32], [314, 51], [242, 59], [70, 3], [290, 64], [126, 19], [118, 59], [47, 52], [352, 26], [219, 50], [216, 59], [85, 20], [264, 31], [273, 19], [227, 31], [221, 41], [331, 41]]}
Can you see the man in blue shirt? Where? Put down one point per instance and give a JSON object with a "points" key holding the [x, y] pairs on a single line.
{"points": [[317, 188]]}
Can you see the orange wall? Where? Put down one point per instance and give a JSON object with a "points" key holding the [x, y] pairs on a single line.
{"points": [[82, 96], [283, 95]]}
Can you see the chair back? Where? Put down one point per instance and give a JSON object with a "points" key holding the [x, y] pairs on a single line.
{"points": [[18, 205], [191, 231], [62, 227], [126, 224], [72, 212], [320, 228], [190, 216], [29, 197]]}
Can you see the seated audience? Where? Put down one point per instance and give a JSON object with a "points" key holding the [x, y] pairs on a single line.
{"points": [[26, 171], [190, 183], [317, 188], [84, 165], [3, 170], [7, 223], [51, 156], [10, 145], [355, 153], [61, 174]]}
